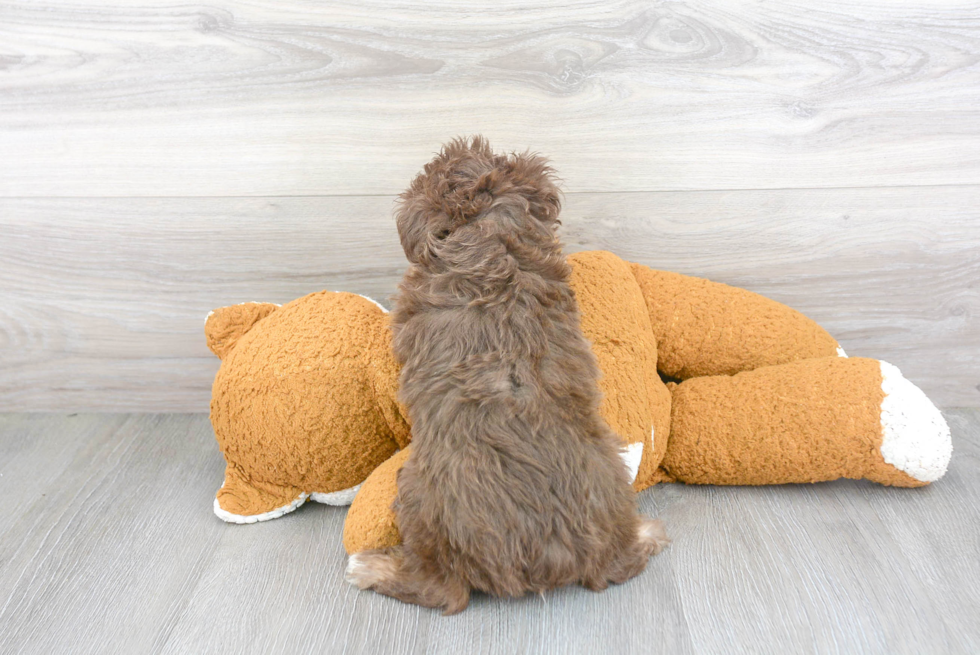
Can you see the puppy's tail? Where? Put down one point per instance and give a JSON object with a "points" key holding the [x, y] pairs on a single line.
{"points": [[392, 572]]}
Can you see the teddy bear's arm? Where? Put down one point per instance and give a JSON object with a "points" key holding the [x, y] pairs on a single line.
{"points": [[241, 500], [709, 328], [370, 521], [226, 325]]}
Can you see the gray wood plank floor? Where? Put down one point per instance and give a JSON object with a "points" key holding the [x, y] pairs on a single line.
{"points": [[108, 545]]}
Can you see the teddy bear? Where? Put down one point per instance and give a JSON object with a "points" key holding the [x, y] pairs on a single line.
{"points": [[705, 383]]}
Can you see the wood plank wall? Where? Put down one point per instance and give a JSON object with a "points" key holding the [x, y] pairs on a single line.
{"points": [[158, 160]]}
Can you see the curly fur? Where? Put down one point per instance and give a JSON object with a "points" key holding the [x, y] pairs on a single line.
{"points": [[515, 483]]}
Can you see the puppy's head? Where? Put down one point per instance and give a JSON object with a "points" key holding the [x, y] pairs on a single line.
{"points": [[468, 189]]}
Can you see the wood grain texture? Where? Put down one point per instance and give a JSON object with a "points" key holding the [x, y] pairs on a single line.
{"points": [[104, 299], [95, 549], [112, 547], [323, 98]]}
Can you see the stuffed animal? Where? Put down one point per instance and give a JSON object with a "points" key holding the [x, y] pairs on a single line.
{"points": [[304, 404]]}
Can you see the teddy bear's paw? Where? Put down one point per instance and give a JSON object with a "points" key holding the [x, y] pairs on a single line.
{"points": [[915, 436], [242, 519], [340, 498], [242, 501]]}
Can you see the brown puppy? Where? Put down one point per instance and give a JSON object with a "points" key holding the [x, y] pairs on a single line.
{"points": [[515, 483]]}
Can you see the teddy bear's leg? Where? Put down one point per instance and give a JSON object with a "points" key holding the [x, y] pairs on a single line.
{"points": [[708, 328], [242, 501], [813, 420]]}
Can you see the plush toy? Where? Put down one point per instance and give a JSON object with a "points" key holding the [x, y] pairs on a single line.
{"points": [[304, 405]]}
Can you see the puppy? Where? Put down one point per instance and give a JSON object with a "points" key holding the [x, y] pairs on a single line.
{"points": [[515, 484]]}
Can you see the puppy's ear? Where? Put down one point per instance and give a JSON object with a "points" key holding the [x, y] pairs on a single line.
{"points": [[538, 184], [450, 191], [420, 227], [413, 227]]}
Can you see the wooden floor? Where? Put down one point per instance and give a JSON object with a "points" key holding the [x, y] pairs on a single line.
{"points": [[108, 545]]}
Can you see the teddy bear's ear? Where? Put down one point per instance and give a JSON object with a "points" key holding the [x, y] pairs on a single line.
{"points": [[226, 325]]}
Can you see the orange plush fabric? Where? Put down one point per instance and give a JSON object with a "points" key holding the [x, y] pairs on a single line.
{"points": [[227, 325], [635, 402], [370, 520], [304, 399], [807, 421], [786, 406], [709, 328], [304, 404]]}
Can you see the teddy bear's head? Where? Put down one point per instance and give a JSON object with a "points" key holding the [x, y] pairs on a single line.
{"points": [[303, 405]]}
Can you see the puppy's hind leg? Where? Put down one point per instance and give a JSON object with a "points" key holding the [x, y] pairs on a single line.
{"points": [[651, 538], [392, 573]]}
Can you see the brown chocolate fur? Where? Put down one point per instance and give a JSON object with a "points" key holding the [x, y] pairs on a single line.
{"points": [[515, 484]]}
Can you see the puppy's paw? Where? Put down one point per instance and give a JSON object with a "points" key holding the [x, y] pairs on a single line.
{"points": [[356, 572], [652, 535], [364, 570]]}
